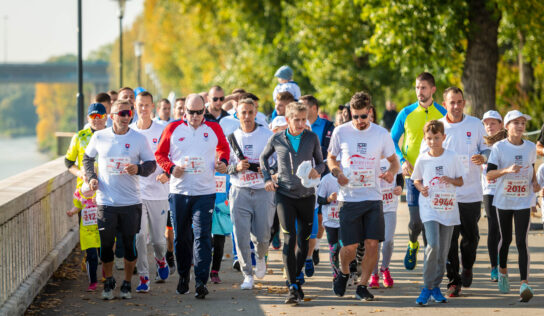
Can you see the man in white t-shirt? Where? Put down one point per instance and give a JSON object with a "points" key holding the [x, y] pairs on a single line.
{"points": [[252, 207], [123, 156], [154, 192], [191, 150], [464, 136], [362, 145]]}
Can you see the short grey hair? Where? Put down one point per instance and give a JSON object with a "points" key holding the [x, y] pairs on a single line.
{"points": [[294, 108]]}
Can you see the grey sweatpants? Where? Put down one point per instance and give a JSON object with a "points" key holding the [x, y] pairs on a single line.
{"points": [[252, 214], [436, 253], [154, 217], [390, 219]]}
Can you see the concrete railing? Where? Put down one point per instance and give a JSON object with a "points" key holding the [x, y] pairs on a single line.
{"points": [[35, 233]]}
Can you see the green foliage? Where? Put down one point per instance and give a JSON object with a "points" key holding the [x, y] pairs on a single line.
{"points": [[17, 114]]}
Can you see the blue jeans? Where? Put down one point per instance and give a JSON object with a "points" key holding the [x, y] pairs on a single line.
{"points": [[197, 211]]}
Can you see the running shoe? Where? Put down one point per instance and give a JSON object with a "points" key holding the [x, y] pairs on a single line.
{"points": [[126, 290], [109, 286], [300, 278], [387, 279], [504, 284], [410, 260], [309, 267], [248, 283], [315, 256], [525, 293], [293, 296], [374, 281], [143, 287], [260, 268], [163, 270], [363, 294], [214, 277], [171, 261], [339, 284], [466, 277], [437, 296], [494, 274], [300, 292], [454, 291], [92, 287], [276, 242], [236, 265], [201, 290], [423, 298], [183, 286]]}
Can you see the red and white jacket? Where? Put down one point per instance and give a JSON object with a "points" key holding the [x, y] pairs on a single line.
{"points": [[194, 149]]}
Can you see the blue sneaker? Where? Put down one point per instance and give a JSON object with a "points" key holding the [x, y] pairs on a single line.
{"points": [[309, 267], [437, 296], [423, 298], [163, 271], [504, 284], [494, 274], [525, 293], [410, 260], [276, 242], [300, 278], [143, 287]]}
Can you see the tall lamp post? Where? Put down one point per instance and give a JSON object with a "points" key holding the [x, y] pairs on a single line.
{"points": [[138, 50], [80, 118], [121, 14]]}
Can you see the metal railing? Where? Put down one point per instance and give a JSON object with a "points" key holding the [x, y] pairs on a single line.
{"points": [[33, 222]]}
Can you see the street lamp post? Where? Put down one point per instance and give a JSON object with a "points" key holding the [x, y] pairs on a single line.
{"points": [[138, 50], [80, 118], [121, 14]]}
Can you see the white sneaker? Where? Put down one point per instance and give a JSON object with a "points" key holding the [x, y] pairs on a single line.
{"points": [[248, 283], [260, 268]]}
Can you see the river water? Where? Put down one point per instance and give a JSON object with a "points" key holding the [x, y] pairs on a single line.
{"points": [[19, 154]]}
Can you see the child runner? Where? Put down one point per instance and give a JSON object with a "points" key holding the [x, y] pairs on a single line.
{"points": [[512, 163], [493, 126], [327, 197], [84, 202], [436, 175], [221, 223]]}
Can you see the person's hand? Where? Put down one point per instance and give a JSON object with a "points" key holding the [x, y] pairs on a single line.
{"points": [[270, 186], [72, 211], [477, 159], [178, 172], [242, 165], [220, 167], [131, 169], [424, 191], [536, 187], [93, 184], [397, 190], [444, 179], [162, 178], [275, 178], [342, 179], [332, 197], [513, 169], [387, 176], [407, 168], [313, 174]]}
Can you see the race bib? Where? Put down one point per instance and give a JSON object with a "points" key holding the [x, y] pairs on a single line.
{"points": [[220, 184], [516, 188], [466, 162], [193, 165], [362, 178], [442, 201], [492, 184], [388, 197], [333, 215], [250, 178], [116, 165], [88, 216]]}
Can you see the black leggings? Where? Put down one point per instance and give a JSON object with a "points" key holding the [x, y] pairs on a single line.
{"points": [[92, 263], [493, 230], [218, 243], [275, 229], [292, 210], [522, 220]]}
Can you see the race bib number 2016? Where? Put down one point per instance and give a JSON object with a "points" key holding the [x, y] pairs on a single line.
{"points": [[516, 188]]}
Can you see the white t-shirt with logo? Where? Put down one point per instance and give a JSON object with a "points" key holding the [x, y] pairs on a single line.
{"points": [[441, 204], [488, 187], [466, 139], [515, 190], [231, 123], [151, 189], [115, 186], [328, 186], [252, 145], [390, 200], [361, 152]]}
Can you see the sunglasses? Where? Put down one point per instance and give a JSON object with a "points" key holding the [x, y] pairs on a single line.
{"points": [[97, 116], [362, 116], [215, 99], [124, 113], [195, 112]]}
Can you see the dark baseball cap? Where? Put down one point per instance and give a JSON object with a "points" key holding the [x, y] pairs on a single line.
{"points": [[96, 108]]}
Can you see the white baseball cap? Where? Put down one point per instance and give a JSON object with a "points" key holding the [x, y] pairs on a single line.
{"points": [[492, 115], [278, 121], [512, 115]]}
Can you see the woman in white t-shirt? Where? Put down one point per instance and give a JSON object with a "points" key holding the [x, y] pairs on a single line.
{"points": [[512, 163]]}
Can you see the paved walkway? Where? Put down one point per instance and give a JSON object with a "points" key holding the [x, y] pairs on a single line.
{"points": [[65, 293]]}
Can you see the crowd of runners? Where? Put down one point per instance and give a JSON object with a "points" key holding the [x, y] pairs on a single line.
{"points": [[186, 175]]}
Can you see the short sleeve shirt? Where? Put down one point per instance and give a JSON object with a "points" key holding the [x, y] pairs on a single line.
{"points": [[77, 149]]}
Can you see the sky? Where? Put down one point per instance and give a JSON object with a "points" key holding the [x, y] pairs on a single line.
{"points": [[39, 29]]}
